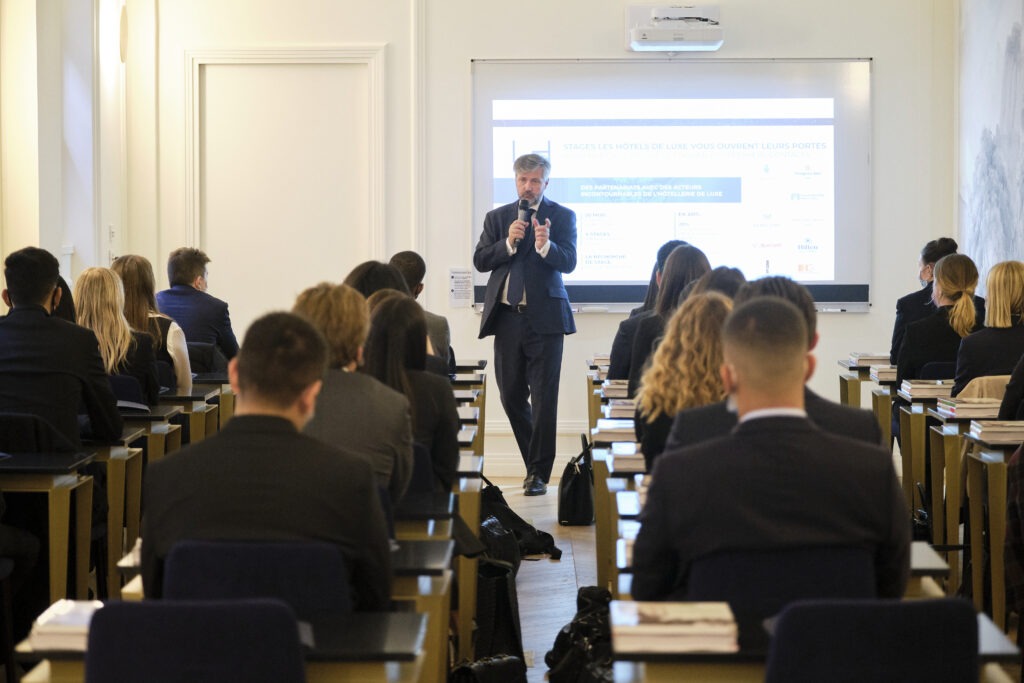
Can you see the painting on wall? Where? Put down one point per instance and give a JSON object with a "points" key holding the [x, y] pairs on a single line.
{"points": [[991, 131]]}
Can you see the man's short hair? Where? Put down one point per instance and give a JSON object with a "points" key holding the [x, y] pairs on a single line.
{"points": [[766, 339], [412, 267], [31, 275], [184, 265], [783, 288], [528, 163], [370, 276], [341, 315], [282, 354]]}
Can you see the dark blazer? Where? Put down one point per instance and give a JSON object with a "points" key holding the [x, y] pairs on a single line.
{"points": [[436, 424], [440, 334], [202, 317], [652, 435], [928, 340], [1012, 407], [989, 351], [547, 303], [774, 482], [140, 363], [52, 368], [622, 346], [707, 422], [369, 419], [917, 306], [648, 332], [259, 479]]}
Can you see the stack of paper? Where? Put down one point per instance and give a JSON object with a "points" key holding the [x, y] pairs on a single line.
{"points": [[968, 407], [883, 373], [927, 388], [673, 627], [600, 359], [619, 407], [863, 359], [998, 431], [627, 463], [615, 388], [609, 430], [64, 625]]}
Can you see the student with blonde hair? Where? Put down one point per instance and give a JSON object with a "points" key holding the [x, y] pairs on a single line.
{"points": [[140, 310], [99, 299], [354, 411], [685, 370], [995, 349]]}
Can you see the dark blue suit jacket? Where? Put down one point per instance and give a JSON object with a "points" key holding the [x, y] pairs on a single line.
{"points": [[547, 303], [202, 317]]}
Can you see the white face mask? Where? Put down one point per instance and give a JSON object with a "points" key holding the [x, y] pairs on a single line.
{"points": [[730, 404]]}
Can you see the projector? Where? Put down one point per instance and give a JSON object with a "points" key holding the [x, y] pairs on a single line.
{"points": [[673, 28]]}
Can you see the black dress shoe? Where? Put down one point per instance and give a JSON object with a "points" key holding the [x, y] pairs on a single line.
{"points": [[535, 486]]}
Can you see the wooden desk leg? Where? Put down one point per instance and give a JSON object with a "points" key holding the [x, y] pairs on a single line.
{"points": [[849, 390], [919, 443], [906, 449], [882, 403], [227, 405], [83, 535], [133, 500], [156, 443], [956, 451], [431, 596], [602, 533], [196, 426], [937, 456], [173, 441], [974, 493], [59, 501], [996, 539], [469, 510], [116, 473], [212, 417]]}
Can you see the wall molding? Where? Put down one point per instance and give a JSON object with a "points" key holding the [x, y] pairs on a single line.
{"points": [[372, 55]]}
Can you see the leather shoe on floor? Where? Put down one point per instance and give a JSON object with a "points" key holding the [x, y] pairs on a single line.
{"points": [[535, 486]]}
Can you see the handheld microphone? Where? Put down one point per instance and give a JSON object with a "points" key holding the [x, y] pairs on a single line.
{"points": [[524, 213]]}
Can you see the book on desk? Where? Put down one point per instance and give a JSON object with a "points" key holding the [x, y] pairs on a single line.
{"points": [[617, 408], [863, 359], [882, 373], [615, 388], [998, 431], [927, 388], [968, 407], [64, 625], [673, 627]]}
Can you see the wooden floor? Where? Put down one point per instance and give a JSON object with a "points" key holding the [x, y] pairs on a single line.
{"points": [[547, 588]]}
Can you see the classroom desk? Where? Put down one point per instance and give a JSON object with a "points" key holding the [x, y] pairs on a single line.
{"points": [[467, 437], [424, 516], [748, 664], [593, 399], [470, 365], [850, 380], [881, 406], [162, 437], [56, 475], [364, 647], [227, 395], [913, 446], [466, 396], [469, 491], [468, 415], [988, 458], [124, 496], [475, 381], [202, 416]]}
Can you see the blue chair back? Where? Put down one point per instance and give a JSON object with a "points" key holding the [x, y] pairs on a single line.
{"points": [[310, 577], [875, 640], [937, 370], [127, 388], [256, 641], [759, 583]]}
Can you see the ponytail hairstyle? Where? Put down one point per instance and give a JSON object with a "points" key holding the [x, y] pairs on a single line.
{"points": [[1005, 285], [956, 277]]}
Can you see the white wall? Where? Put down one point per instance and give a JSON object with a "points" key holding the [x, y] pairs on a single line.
{"points": [[426, 122]]}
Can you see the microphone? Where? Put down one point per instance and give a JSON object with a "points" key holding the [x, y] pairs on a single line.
{"points": [[524, 214]]}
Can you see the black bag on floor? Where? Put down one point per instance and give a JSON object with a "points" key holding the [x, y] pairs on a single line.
{"points": [[582, 652], [500, 543], [576, 489], [500, 669], [497, 611], [531, 540]]}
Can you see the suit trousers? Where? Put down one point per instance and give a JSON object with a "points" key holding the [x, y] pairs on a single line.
{"points": [[528, 366]]}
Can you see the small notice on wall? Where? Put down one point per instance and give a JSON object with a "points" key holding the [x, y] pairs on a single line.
{"points": [[460, 287]]}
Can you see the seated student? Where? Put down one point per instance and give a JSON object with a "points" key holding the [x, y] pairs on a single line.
{"points": [[995, 349], [354, 411], [1012, 407], [125, 351], [140, 310], [396, 355], [695, 425], [621, 352], [936, 338], [204, 318], [919, 304], [413, 269], [48, 366], [66, 308], [777, 481], [259, 478], [684, 372], [684, 265]]}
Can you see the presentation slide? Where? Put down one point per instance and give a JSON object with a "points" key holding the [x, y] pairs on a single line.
{"points": [[750, 181]]}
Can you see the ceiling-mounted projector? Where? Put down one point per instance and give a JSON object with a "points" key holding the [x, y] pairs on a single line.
{"points": [[673, 28]]}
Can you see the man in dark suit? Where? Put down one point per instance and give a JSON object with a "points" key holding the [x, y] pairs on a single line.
{"points": [[700, 424], [259, 478], [777, 481], [526, 308], [202, 317], [50, 367]]}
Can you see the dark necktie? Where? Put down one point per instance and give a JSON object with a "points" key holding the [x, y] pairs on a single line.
{"points": [[516, 275]]}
